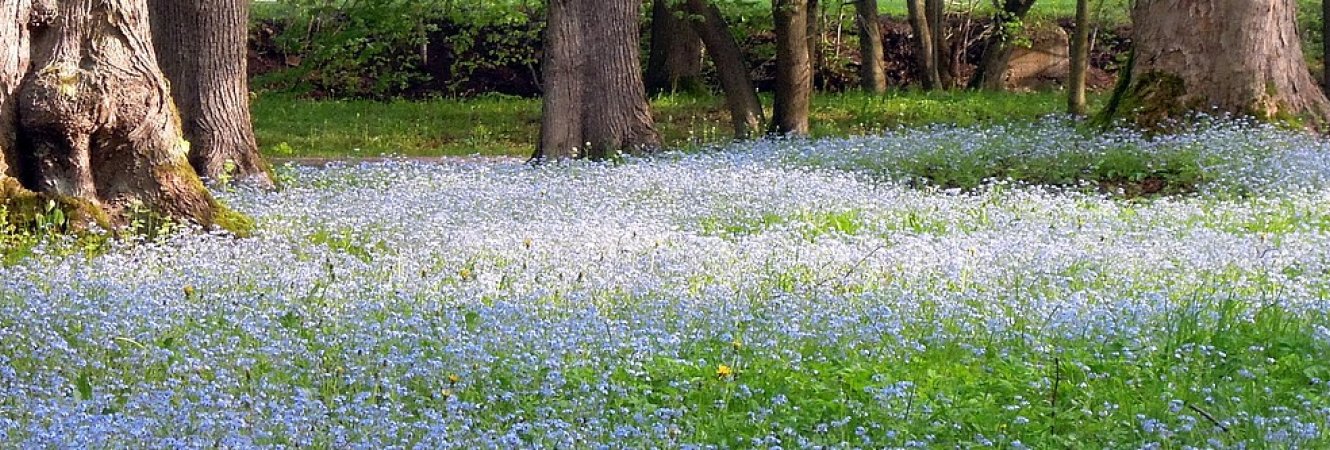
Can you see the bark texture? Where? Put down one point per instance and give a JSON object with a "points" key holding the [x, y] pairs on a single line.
{"points": [[95, 123], [1080, 60], [937, 24], [872, 69], [740, 95], [675, 61], [595, 104], [794, 68], [1236, 56], [14, 57], [925, 48], [202, 48], [997, 50]]}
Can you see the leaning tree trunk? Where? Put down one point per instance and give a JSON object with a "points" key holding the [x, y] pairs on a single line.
{"points": [[595, 105], [1237, 56], [924, 45], [95, 125], [740, 96], [202, 46], [1080, 60], [872, 69], [794, 68], [675, 61], [992, 70]]}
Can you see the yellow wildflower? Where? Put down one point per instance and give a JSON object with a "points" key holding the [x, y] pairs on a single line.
{"points": [[724, 371]]}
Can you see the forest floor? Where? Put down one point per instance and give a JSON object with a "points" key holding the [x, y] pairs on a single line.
{"points": [[951, 287]]}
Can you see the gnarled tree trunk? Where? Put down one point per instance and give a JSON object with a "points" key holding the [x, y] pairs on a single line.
{"points": [[1236, 56], [675, 61], [202, 48], [14, 57], [740, 96], [872, 69], [794, 68], [595, 104], [94, 124]]}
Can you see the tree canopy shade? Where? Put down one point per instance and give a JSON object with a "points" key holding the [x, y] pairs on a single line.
{"points": [[203, 46], [595, 104], [1233, 56], [88, 116]]}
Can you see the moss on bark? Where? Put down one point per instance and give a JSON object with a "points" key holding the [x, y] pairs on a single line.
{"points": [[24, 208]]}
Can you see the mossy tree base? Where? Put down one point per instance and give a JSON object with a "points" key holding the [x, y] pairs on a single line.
{"points": [[98, 139], [1241, 57]]}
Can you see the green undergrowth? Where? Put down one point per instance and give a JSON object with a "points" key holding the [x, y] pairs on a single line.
{"points": [[291, 127]]}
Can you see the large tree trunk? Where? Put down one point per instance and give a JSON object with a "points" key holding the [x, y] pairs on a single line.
{"points": [[95, 123], [992, 70], [595, 104], [794, 68], [675, 61], [202, 47], [1080, 60], [1237, 56], [872, 71], [740, 96], [14, 57], [925, 49]]}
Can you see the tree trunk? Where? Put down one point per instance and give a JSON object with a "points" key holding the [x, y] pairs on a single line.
{"points": [[595, 104], [203, 49], [872, 71], [1080, 60], [929, 75], [14, 56], [1325, 44], [992, 70], [937, 24], [794, 68], [675, 61], [814, 35], [740, 96], [95, 123], [1237, 56]]}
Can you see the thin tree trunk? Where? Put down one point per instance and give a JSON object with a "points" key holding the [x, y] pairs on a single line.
{"points": [[1325, 44], [992, 71], [740, 96], [814, 39], [203, 49], [924, 45], [937, 24], [95, 118], [595, 104], [872, 71], [675, 61], [1080, 60], [794, 70], [1237, 56]]}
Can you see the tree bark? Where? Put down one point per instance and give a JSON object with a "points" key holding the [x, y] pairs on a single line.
{"points": [[740, 96], [14, 56], [1325, 45], [95, 124], [929, 75], [937, 24], [872, 69], [794, 68], [675, 61], [1236, 56], [595, 104], [202, 46], [992, 69], [1080, 60]]}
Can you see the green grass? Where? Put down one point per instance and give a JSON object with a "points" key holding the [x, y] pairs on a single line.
{"points": [[290, 127]]}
